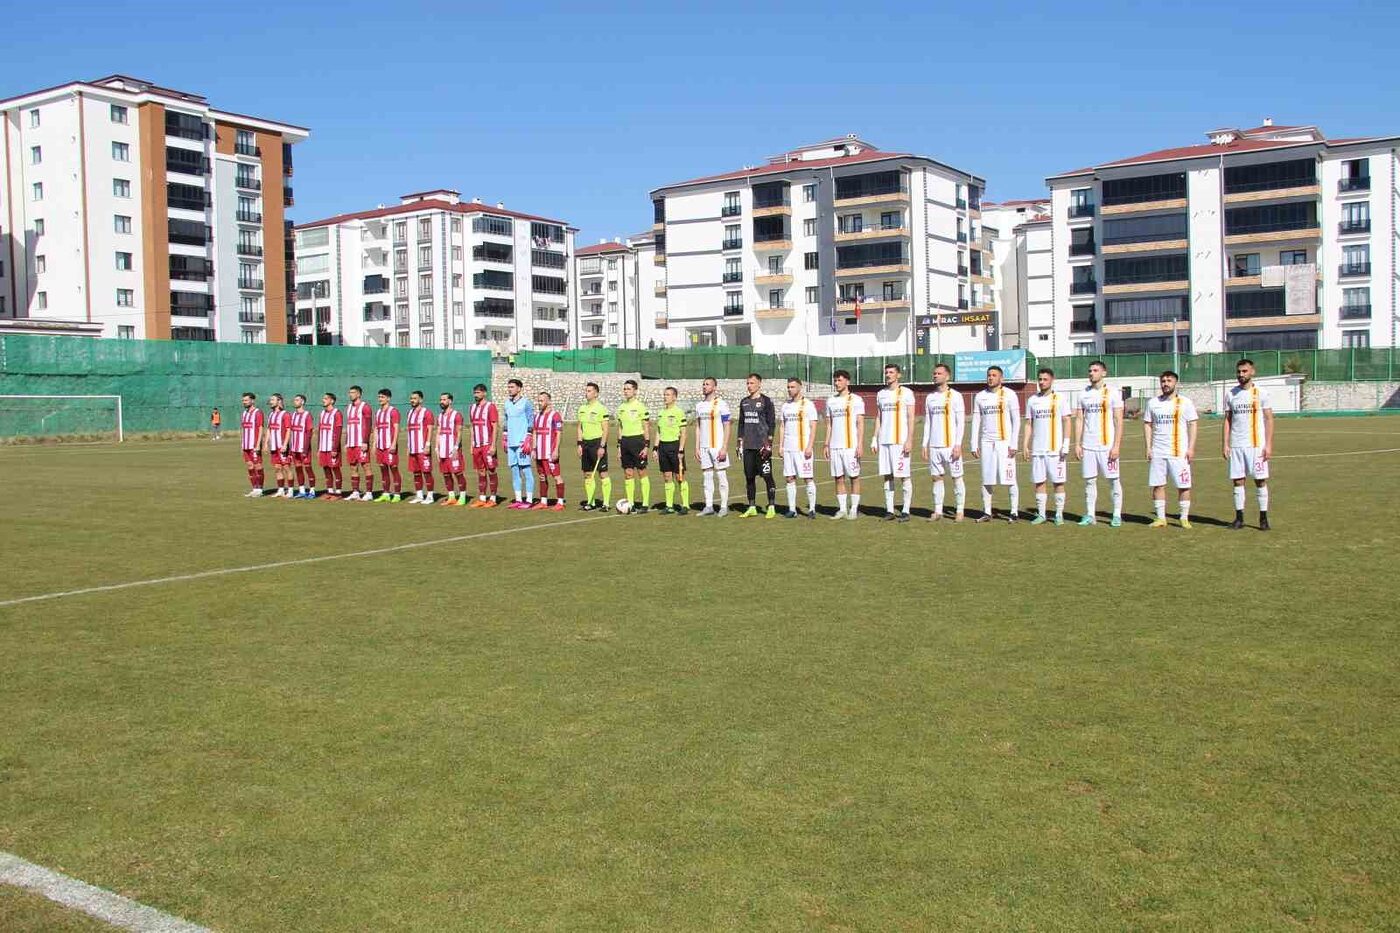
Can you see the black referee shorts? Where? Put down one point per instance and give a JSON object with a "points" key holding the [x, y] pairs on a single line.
{"points": [[668, 456], [591, 461], [634, 452]]}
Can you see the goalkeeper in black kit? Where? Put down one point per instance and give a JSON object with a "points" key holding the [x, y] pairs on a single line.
{"points": [[757, 421]]}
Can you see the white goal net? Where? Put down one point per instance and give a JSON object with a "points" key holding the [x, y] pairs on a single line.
{"points": [[90, 418]]}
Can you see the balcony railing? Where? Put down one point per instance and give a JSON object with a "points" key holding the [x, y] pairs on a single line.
{"points": [[190, 204], [1082, 249], [1356, 312], [772, 236], [1083, 288], [961, 204], [1147, 278], [191, 275], [780, 201], [249, 217], [1236, 313], [730, 210], [1274, 227], [870, 191], [962, 270], [730, 277], [248, 249], [1081, 210], [1270, 184], [247, 149], [252, 317], [1084, 325], [871, 263], [1355, 226], [1355, 183], [1354, 268], [732, 244], [733, 310], [591, 292], [962, 304], [250, 284], [862, 227], [376, 312], [1164, 316], [247, 183], [288, 198]]}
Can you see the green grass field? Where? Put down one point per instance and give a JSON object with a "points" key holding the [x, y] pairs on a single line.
{"points": [[664, 723]]}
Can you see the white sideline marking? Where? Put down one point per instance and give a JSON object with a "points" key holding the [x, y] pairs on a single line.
{"points": [[205, 574], [96, 902]]}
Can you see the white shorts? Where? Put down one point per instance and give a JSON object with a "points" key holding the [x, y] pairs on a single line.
{"points": [[845, 463], [1178, 468], [1096, 462], [940, 461], [710, 459], [998, 464], [1049, 467], [1248, 462], [795, 463], [894, 461]]}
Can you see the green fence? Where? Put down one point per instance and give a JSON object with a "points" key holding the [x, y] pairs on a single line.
{"points": [[173, 385], [1353, 365], [724, 363]]}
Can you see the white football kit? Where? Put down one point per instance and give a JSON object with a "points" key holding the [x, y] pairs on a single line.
{"points": [[996, 419], [896, 410], [944, 422], [799, 422], [1097, 406], [843, 438], [1046, 413], [711, 418], [1170, 419], [1246, 409]]}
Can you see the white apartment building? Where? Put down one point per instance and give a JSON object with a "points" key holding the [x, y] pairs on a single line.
{"points": [[144, 212], [1273, 237], [622, 296], [783, 255], [435, 272], [1003, 226]]}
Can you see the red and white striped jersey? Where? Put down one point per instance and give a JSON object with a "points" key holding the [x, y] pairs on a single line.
{"points": [[549, 428], [357, 424], [449, 438], [328, 429], [277, 424], [251, 422], [386, 428], [484, 416], [420, 427], [300, 432]]}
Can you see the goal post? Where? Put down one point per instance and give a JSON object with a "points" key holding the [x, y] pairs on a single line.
{"points": [[61, 418]]}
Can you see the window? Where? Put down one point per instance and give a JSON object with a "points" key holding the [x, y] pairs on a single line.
{"points": [[1356, 215], [36, 155], [37, 191], [401, 231], [121, 152], [425, 228], [612, 286], [850, 291], [730, 208], [1293, 257], [121, 188], [456, 280], [732, 239], [813, 295], [401, 287], [118, 114], [891, 291], [123, 262], [775, 265], [775, 297], [733, 270], [1147, 310], [1154, 228], [126, 297], [733, 303], [400, 260], [457, 338], [457, 309], [425, 256], [425, 284], [891, 220], [809, 227], [456, 225], [41, 263], [850, 223], [1169, 268], [809, 261], [33, 119], [809, 193], [402, 339], [121, 223], [1356, 304], [495, 226], [41, 299], [425, 312], [126, 331], [1245, 264], [1082, 319], [1145, 188], [612, 263], [1356, 260], [1300, 215], [456, 254], [1356, 339], [39, 226], [425, 339]]}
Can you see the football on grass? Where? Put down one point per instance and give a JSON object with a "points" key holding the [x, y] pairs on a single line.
{"points": [[624, 506]]}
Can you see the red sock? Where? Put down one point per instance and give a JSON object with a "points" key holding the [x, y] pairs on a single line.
{"points": [[311, 476], [253, 478], [339, 478], [494, 479], [384, 477], [417, 481], [481, 484], [559, 488], [354, 481], [398, 480], [369, 481], [428, 481]]}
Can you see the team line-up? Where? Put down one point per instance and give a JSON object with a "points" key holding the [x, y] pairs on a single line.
{"points": [[532, 434]]}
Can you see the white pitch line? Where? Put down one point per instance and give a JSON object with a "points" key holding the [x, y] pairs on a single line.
{"points": [[100, 903], [205, 574]]}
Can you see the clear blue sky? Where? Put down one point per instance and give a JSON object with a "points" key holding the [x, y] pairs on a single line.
{"points": [[578, 110]]}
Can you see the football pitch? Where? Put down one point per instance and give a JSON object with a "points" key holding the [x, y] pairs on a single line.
{"points": [[440, 718]]}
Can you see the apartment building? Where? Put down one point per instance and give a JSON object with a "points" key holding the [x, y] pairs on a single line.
{"points": [[837, 247], [1003, 226], [1273, 237], [146, 212], [622, 295], [434, 271]]}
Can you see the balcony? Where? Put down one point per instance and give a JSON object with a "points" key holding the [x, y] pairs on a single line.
{"points": [[872, 232], [1079, 211], [659, 259], [376, 285], [661, 321], [773, 278], [960, 204], [252, 317], [733, 310], [659, 290], [772, 243], [1355, 226], [874, 194], [730, 210], [1268, 232], [1083, 249], [249, 284], [892, 303], [247, 183], [736, 243], [1356, 312], [771, 207], [248, 249], [246, 149], [591, 293], [1083, 288], [376, 311], [870, 268], [1087, 325], [288, 198], [729, 278], [962, 236], [1351, 269], [1355, 183], [962, 304], [781, 311], [1271, 189], [249, 217]]}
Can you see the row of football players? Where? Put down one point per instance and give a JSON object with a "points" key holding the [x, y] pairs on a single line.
{"points": [[533, 437]]}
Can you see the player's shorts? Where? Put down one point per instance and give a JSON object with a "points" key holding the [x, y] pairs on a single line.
{"points": [[329, 458], [301, 458], [356, 456], [517, 457], [1096, 462], [845, 463], [711, 459], [894, 461], [797, 463], [1178, 468], [483, 459], [281, 458], [998, 464], [941, 462], [633, 451], [420, 463], [591, 461], [1248, 462], [387, 457], [1049, 468], [668, 456], [548, 467], [452, 464], [252, 456]]}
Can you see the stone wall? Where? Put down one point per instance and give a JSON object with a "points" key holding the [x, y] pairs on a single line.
{"points": [[1350, 396], [567, 388]]}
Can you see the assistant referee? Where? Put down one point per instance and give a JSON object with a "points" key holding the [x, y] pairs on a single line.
{"points": [[634, 437], [670, 452]]}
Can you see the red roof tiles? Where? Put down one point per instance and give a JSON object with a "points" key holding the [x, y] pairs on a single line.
{"points": [[597, 248], [429, 204]]}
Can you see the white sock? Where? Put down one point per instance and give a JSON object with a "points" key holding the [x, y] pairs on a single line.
{"points": [[841, 499], [1015, 499], [1161, 506], [959, 493], [1239, 498], [1262, 493], [908, 492], [986, 500], [1060, 504], [709, 489], [1117, 490], [792, 496], [1040, 499], [1185, 509], [939, 491], [889, 494], [723, 490], [855, 502], [1091, 496], [811, 495]]}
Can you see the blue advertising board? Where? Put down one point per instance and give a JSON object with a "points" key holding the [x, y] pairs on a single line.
{"points": [[972, 366]]}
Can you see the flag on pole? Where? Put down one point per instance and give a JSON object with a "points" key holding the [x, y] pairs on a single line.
{"points": [[857, 304]]}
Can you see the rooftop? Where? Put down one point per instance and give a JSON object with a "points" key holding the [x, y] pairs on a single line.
{"points": [[428, 202], [599, 248]]}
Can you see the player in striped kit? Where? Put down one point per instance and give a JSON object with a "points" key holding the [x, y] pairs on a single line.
{"points": [[545, 437], [945, 420], [845, 435], [386, 447], [329, 430], [1045, 443], [486, 434], [711, 446], [251, 424], [1248, 441], [996, 416], [301, 430], [894, 440], [449, 451], [420, 448], [1169, 431], [359, 429], [798, 421], [279, 422], [1098, 432]]}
